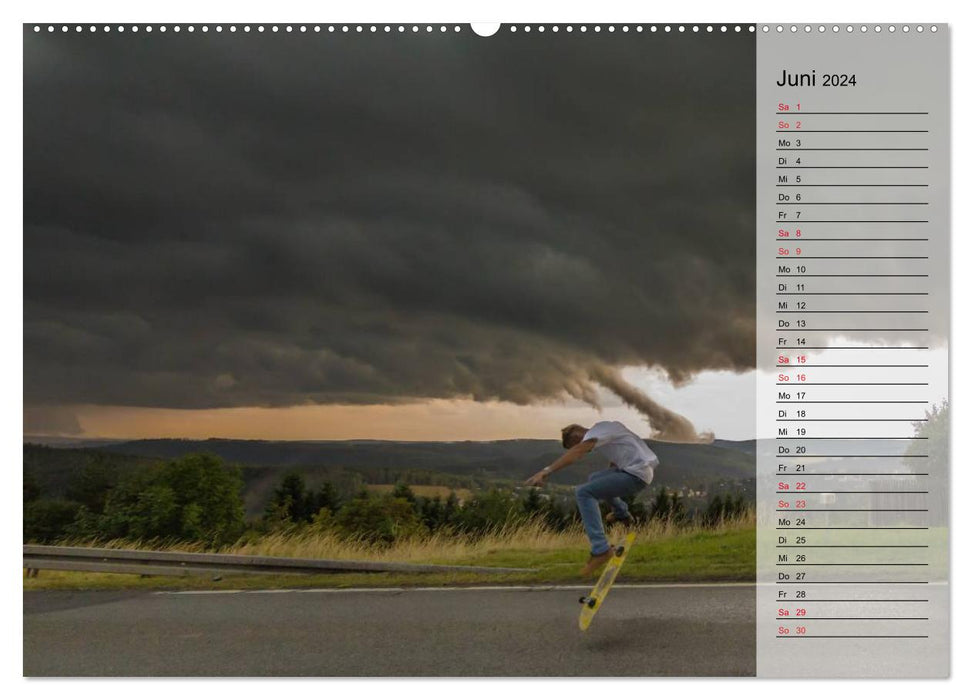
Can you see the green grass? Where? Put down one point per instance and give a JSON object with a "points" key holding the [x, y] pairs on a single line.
{"points": [[662, 553]]}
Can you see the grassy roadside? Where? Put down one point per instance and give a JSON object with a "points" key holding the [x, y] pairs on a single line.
{"points": [[662, 553]]}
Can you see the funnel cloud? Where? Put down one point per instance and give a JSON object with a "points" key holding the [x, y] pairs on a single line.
{"points": [[666, 424]]}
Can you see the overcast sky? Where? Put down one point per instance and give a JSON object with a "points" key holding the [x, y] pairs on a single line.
{"points": [[255, 222]]}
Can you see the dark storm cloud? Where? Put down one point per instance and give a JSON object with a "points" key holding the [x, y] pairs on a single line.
{"points": [[227, 220]]}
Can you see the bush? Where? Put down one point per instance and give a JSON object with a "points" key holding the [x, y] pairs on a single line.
{"points": [[384, 519], [488, 511]]}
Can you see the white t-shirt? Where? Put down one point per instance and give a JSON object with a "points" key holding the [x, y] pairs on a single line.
{"points": [[625, 450]]}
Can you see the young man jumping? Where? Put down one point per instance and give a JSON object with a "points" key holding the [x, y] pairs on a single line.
{"points": [[632, 465]]}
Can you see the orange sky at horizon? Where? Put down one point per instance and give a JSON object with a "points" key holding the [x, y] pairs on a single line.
{"points": [[434, 420]]}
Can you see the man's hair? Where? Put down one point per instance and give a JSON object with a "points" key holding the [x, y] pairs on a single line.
{"points": [[568, 430]]}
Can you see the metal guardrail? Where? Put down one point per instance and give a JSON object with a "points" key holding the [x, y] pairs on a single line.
{"points": [[134, 561]]}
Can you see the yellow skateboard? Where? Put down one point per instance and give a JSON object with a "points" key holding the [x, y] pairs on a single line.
{"points": [[591, 603]]}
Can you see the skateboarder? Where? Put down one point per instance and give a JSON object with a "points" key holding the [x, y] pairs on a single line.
{"points": [[632, 465]]}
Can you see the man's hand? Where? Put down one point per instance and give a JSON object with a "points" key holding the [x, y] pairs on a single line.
{"points": [[572, 455], [538, 479]]}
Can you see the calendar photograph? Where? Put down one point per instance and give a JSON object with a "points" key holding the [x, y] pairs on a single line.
{"points": [[451, 350]]}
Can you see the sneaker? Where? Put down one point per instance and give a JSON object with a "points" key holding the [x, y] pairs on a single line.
{"points": [[596, 561], [612, 518]]}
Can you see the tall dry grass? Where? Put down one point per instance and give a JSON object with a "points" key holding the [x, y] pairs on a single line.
{"points": [[524, 536]]}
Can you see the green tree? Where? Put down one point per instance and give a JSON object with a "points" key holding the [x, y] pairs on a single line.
{"points": [[194, 498], [450, 508], [31, 486], [552, 512], [638, 510], [735, 507], [677, 508], [932, 437], [562, 512], [432, 513], [661, 505], [532, 503], [289, 500], [91, 485], [667, 506], [402, 490], [46, 520], [715, 512], [328, 497], [934, 442]]}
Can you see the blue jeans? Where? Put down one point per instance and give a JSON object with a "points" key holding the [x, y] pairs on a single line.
{"points": [[609, 485]]}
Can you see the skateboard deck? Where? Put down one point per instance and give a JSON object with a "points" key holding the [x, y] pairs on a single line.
{"points": [[591, 603]]}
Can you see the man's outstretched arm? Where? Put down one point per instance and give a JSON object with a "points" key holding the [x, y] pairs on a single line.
{"points": [[574, 454]]}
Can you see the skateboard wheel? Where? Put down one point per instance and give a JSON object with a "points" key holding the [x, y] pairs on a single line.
{"points": [[591, 602], [619, 552]]}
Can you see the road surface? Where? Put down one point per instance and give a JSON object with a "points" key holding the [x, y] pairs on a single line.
{"points": [[662, 630]]}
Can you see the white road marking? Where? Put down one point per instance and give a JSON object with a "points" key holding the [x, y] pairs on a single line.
{"points": [[199, 592], [445, 589]]}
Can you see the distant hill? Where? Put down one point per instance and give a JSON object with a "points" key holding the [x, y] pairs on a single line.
{"points": [[57, 441], [747, 446], [501, 459]]}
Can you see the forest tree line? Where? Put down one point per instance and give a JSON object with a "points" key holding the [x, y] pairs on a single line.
{"points": [[198, 498]]}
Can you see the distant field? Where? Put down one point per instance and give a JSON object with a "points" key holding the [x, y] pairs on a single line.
{"points": [[424, 491], [662, 553]]}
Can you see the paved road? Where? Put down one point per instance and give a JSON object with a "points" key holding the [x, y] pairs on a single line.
{"points": [[640, 631]]}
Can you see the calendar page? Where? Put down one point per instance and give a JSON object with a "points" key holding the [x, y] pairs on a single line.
{"points": [[391, 349], [853, 289]]}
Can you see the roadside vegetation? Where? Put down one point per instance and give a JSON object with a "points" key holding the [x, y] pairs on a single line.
{"points": [[194, 504]]}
